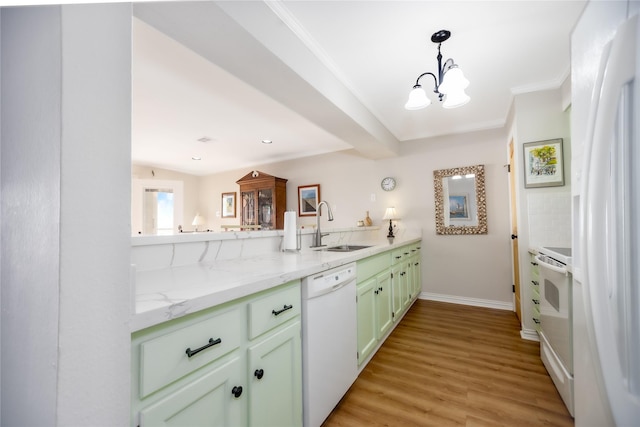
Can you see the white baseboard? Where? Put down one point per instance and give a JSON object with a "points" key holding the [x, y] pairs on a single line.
{"points": [[529, 334], [500, 305]]}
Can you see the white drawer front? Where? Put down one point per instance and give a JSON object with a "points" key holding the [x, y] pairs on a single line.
{"points": [[165, 359], [273, 310]]}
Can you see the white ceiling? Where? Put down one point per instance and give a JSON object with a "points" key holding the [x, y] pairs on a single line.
{"points": [[322, 76]]}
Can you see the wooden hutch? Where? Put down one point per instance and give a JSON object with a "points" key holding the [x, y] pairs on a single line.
{"points": [[263, 199]]}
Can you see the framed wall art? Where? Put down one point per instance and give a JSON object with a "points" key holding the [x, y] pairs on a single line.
{"points": [[543, 163], [458, 207], [229, 205], [308, 199]]}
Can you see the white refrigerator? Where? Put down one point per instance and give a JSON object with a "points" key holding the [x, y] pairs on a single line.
{"points": [[606, 215]]}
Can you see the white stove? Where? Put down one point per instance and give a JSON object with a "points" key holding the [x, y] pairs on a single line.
{"points": [[556, 312]]}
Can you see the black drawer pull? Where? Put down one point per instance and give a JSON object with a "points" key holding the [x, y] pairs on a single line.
{"points": [[534, 263], [236, 391], [536, 320], [535, 301], [259, 373], [535, 283], [211, 343], [399, 256], [285, 308]]}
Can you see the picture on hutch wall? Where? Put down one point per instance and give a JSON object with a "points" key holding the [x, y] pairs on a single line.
{"points": [[543, 163], [229, 205], [308, 199]]}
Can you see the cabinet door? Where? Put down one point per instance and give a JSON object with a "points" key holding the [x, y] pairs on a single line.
{"points": [[383, 304], [366, 292], [411, 285], [405, 283], [275, 383], [266, 211], [396, 289], [416, 276], [249, 207], [208, 401]]}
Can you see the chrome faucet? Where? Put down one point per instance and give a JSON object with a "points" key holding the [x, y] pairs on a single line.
{"points": [[317, 239]]}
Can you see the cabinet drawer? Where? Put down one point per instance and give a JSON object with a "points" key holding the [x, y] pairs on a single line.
{"points": [[400, 254], [165, 359], [373, 265], [415, 249], [273, 309]]}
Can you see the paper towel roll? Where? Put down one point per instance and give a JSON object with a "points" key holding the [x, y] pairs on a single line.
{"points": [[290, 242]]}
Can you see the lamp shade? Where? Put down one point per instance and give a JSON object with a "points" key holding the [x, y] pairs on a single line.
{"points": [[453, 85], [198, 220], [417, 99], [456, 99], [390, 213], [453, 80]]}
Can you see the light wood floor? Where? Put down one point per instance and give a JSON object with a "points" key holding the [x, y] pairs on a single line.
{"points": [[448, 364]]}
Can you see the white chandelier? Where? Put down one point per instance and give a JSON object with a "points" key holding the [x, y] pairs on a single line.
{"points": [[450, 82]]}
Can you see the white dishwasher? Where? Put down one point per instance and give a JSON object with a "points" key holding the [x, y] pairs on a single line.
{"points": [[329, 341]]}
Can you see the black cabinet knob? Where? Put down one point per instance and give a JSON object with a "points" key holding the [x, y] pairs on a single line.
{"points": [[236, 391], [259, 373], [514, 236]]}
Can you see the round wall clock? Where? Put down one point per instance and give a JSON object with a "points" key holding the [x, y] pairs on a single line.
{"points": [[388, 183]]}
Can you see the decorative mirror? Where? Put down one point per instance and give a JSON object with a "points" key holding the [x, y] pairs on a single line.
{"points": [[460, 200]]}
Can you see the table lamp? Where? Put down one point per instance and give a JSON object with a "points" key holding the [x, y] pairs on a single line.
{"points": [[390, 214]]}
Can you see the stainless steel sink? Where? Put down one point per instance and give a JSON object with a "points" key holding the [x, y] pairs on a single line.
{"points": [[346, 248]]}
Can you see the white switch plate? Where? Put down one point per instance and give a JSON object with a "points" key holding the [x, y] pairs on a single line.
{"points": [[373, 197]]}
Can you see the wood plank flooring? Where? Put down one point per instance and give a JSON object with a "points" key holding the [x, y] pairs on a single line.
{"points": [[449, 364]]}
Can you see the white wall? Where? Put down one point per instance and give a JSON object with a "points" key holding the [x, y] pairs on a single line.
{"points": [[66, 154], [540, 116], [348, 183], [469, 267], [30, 248]]}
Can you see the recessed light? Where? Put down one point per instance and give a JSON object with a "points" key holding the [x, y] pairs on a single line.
{"points": [[267, 141], [196, 158], [204, 139]]}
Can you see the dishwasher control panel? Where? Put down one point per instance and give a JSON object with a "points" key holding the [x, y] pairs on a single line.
{"points": [[326, 281]]}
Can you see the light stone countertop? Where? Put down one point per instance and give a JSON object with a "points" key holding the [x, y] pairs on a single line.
{"points": [[168, 293]]}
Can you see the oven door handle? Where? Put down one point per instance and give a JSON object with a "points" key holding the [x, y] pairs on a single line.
{"points": [[541, 263]]}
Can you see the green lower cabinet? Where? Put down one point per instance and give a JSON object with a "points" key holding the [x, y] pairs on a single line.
{"points": [[238, 364], [209, 401], [275, 383], [405, 282], [416, 275], [374, 312], [366, 311], [384, 319], [397, 287]]}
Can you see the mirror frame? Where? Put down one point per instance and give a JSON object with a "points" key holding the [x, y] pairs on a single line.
{"points": [[481, 201]]}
